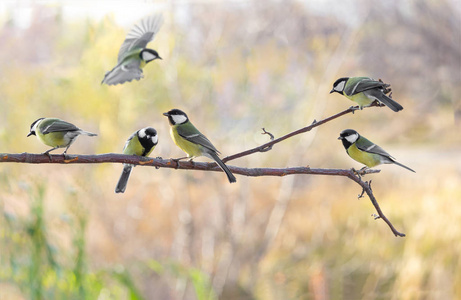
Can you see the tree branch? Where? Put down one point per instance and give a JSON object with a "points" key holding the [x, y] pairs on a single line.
{"points": [[268, 146], [186, 165]]}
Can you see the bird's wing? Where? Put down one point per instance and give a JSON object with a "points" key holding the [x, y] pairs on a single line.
{"points": [[191, 134], [58, 126], [128, 140], [123, 73], [141, 34], [360, 84], [389, 102], [367, 146]]}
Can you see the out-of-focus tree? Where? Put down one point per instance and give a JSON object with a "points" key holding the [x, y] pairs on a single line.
{"points": [[236, 67]]}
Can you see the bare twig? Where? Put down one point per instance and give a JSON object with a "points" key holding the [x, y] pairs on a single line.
{"points": [[190, 165], [271, 137], [262, 148], [187, 165]]}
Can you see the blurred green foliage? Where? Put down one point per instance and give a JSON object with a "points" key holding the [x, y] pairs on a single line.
{"points": [[234, 68]]}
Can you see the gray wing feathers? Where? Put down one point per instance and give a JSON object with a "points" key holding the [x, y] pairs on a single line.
{"points": [[363, 85], [210, 150], [367, 146], [141, 34], [128, 140], [378, 94], [199, 139], [121, 74], [63, 126], [58, 126]]}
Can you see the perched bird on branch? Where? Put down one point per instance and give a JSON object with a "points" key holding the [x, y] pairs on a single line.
{"points": [[364, 91], [364, 151], [140, 143], [192, 141], [133, 54], [56, 133]]}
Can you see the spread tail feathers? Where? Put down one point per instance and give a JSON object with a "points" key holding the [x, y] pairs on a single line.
{"points": [[122, 182], [226, 170]]}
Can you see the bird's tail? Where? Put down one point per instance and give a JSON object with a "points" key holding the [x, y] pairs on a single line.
{"points": [[403, 166], [87, 133], [388, 101], [122, 182], [226, 170]]}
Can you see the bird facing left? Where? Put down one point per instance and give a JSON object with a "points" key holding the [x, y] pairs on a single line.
{"points": [[366, 152], [192, 141], [56, 133]]}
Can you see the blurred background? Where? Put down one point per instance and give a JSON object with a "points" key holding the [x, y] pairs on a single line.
{"points": [[234, 67]]}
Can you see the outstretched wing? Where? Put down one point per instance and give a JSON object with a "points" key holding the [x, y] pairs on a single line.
{"points": [[141, 34], [58, 126], [191, 134], [367, 146], [123, 73], [360, 84]]}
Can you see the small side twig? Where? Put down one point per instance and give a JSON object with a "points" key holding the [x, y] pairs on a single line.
{"points": [[271, 137], [366, 186], [188, 165], [314, 124]]}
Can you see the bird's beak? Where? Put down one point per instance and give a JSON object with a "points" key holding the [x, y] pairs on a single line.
{"points": [[160, 58], [166, 114], [332, 91], [30, 133], [340, 138]]}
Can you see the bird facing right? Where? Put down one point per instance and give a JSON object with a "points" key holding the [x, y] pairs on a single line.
{"points": [[133, 55], [140, 143]]}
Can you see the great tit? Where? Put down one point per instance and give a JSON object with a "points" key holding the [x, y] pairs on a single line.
{"points": [[140, 143], [364, 91], [56, 133], [133, 54], [191, 141], [364, 151]]}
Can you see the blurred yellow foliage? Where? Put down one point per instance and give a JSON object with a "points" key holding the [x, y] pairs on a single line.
{"points": [[235, 68]]}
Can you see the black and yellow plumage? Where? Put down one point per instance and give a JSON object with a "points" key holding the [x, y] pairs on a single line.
{"points": [[364, 151], [56, 133], [140, 143], [192, 141], [133, 54], [364, 91]]}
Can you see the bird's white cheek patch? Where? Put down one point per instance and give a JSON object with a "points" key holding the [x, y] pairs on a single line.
{"points": [[154, 139], [340, 86], [148, 56], [34, 128], [352, 138], [178, 119], [142, 133]]}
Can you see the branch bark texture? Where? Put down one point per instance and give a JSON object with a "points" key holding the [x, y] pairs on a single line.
{"points": [[186, 165]]}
